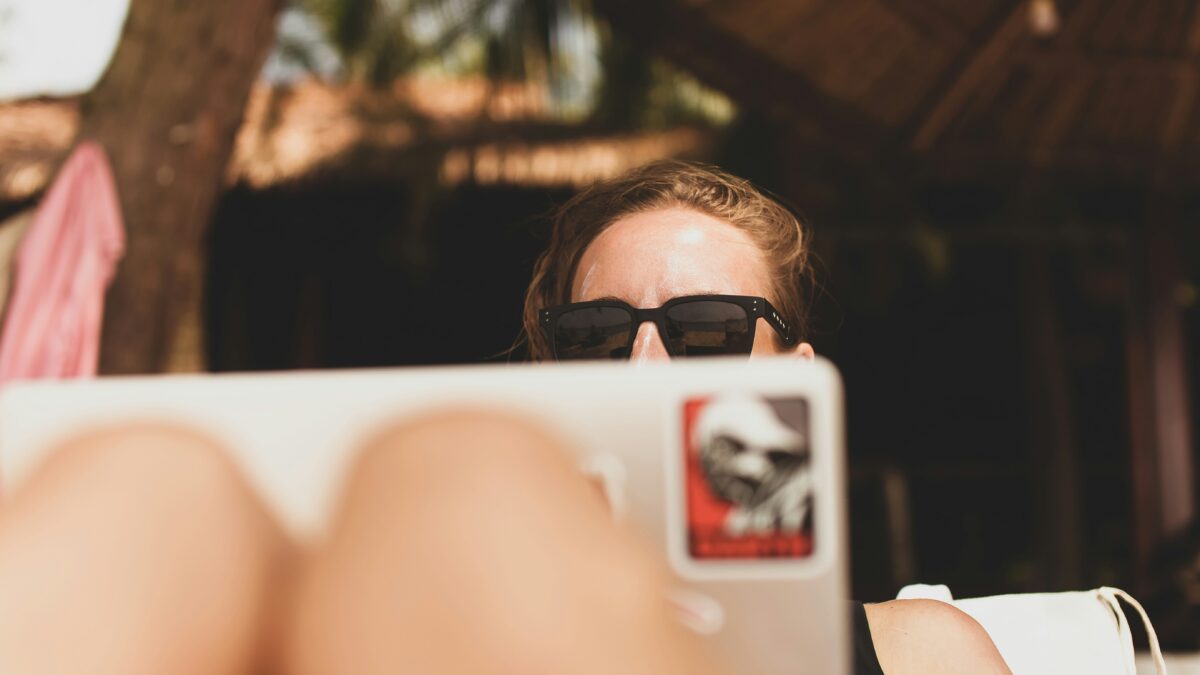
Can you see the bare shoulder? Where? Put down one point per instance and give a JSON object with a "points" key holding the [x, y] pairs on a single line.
{"points": [[928, 637]]}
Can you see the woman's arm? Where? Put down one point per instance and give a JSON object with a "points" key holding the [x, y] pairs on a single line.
{"points": [[927, 637]]}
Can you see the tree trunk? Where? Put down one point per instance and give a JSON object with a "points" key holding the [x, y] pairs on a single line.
{"points": [[167, 111]]}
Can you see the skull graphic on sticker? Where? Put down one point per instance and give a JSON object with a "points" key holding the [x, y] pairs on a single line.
{"points": [[748, 477]]}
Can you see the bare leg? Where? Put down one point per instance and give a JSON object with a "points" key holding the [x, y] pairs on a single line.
{"points": [[135, 551], [468, 543]]}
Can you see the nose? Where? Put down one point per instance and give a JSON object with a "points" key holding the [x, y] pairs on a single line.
{"points": [[648, 346]]}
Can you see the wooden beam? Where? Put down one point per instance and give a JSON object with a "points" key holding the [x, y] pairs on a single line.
{"points": [[1178, 24], [1079, 22], [1059, 120], [1162, 462], [967, 161], [1172, 412], [1143, 461], [954, 89], [1052, 435], [1182, 107], [1192, 40], [1100, 62], [929, 21], [685, 35]]}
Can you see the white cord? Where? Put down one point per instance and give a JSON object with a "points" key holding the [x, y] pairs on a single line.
{"points": [[1112, 597]]}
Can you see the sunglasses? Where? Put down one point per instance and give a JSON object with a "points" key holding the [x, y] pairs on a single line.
{"points": [[694, 325]]}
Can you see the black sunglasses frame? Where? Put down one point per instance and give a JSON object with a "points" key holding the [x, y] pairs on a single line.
{"points": [[755, 307]]}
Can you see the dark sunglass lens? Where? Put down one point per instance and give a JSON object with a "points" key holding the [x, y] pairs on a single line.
{"points": [[708, 328], [593, 333]]}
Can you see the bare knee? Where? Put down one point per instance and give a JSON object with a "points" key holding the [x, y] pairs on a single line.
{"points": [[158, 540], [158, 492], [152, 470], [483, 510], [136, 450], [465, 458], [465, 438]]}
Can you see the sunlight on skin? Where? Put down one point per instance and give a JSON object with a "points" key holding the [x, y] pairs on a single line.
{"points": [[645, 259]]}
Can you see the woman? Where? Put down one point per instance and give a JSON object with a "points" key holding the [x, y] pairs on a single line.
{"points": [[140, 549], [699, 244]]}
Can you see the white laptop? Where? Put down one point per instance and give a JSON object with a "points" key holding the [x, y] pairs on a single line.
{"points": [[735, 468]]}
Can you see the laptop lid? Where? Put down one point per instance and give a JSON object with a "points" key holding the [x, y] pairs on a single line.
{"points": [[734, 469]]}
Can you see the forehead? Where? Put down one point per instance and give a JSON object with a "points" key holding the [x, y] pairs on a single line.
{"points": [[648, 258]]}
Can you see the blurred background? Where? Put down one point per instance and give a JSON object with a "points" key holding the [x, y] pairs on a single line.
{"points": [[1002, 196]]}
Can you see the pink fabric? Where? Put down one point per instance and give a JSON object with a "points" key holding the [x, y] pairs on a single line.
{"points": [[62, 270]]}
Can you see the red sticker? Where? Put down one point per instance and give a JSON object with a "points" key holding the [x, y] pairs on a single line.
{"points": [[748, 477]]}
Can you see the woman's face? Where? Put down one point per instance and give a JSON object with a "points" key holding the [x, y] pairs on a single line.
{"points": [[646, 259]]}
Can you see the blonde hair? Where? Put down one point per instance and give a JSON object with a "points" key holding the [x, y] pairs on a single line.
{"points": [[773, 228]]}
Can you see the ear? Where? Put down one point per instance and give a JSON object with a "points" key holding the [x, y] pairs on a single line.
{"points": [[803, 351]]}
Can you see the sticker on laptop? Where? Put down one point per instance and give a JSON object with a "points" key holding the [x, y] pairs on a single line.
{"points": [[748, 482]]}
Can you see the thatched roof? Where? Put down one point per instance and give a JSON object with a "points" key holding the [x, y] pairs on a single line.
{"points": [[955, 86], [472, 130]]}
